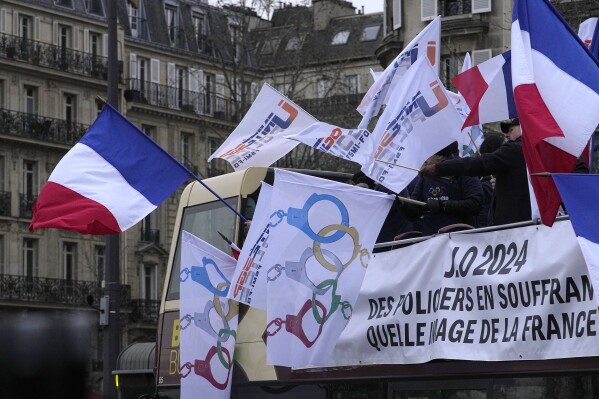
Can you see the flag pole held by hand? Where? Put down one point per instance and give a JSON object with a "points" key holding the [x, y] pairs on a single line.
{"points": [[400, 166]]}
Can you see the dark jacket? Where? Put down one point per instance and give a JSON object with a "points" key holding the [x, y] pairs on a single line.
{"points": [[461, 199], [511, 201]]}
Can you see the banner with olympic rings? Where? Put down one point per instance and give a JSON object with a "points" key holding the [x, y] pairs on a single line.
{"points": [[207, 320], [514, 294], [321, 237]]}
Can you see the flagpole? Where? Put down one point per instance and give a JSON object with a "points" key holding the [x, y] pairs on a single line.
{"points": [[398, 165], [473, 143], [112, 289]]}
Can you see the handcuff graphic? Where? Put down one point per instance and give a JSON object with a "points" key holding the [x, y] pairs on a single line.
{"points": [[225, 311], [298, 217]]}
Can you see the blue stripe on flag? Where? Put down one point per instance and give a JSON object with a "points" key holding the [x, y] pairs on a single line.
{"points": [[580, 194], [595, 41], [552, 36], [507, 79], [144, 165]]}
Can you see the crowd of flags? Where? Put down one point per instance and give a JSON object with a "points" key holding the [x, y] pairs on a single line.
{"points": [[116, 175]]}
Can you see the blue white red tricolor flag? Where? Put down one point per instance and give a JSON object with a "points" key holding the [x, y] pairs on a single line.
{"points": [[109, 181], [556, 92], [580, 194], [487, 89]]}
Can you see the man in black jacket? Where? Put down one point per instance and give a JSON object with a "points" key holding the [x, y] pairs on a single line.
{"points": [[511, 200]]}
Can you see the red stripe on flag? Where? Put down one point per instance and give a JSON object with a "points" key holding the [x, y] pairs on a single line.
{"points": [[472, 86], [62, 208], [538, 124]]}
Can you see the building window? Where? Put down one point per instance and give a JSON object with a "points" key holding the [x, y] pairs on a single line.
{"points": [[340, 38], [150, 131], [295, 43], [370, 33], [217, 166], [64, 3], [94, 7], [457, 7], [199, 25], [186, 142], [30, 179], [95, 44], [69, 261], [2, 93], [64, 36], [283, 88], [133, 11], [100, 262], [171, 22], [270, 46], [2, 171], [25, 27], [208, 92], [142, 75], [181, 84], [323, 87], [351, 84], [30, 258], [148, 281], [70, 109], [30, 100], [1, 255]]}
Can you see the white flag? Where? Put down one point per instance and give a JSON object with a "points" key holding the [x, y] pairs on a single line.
{"points": [[249, 279], [259, 138], [320, 250], [208, 321], [350, 144], [424, 45], [420, 121]]}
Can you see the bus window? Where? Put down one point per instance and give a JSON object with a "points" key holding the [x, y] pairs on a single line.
{"points": [[204, 221]]}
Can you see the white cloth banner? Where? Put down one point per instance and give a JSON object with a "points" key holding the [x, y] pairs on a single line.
{"points": [[351, 144], [320, 249], [424, 45], [249, 279], [586, 30], [420, 121], [259, 138], [208, 322], [517, 294]]}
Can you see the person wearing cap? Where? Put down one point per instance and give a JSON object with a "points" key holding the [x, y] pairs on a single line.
{"points": [[511, 200]]}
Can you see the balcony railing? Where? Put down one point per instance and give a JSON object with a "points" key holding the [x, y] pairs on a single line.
{"points": [[144, 310], [150, 235], [26, 202], [37, 127], [46, 290], [198, 103], [55, 57], [456, 7], [5, 203], [331, 105]]}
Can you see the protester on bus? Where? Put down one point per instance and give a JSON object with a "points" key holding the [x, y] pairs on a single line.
{"points": [[491, 143], [452, 200]]}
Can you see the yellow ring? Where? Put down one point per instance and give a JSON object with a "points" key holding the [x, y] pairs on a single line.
{"points": [[326, 230], [233, 305]]}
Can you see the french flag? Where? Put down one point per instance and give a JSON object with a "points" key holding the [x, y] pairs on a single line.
{"points": [[110, 180], [487, 89], [556, 91], [580, 193]]}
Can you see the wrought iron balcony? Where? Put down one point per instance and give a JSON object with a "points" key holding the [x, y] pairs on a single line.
{"points": [[456, 7], [204, 103], [55, 57], [46, 290], [37, 127], [5, 203], [144, 310], [343, 103], [150, 235], [26, 204]]}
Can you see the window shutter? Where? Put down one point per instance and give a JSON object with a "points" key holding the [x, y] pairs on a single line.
{"points": [[479, 6], [396, 14], [2, 20], [105, 45], [155, 79], [86, 40], [36, 28], [133, 84], [172, 85], [196, 77], [220, 92], [480, 56], [15, 25], [76, 38], [428, 10], [56, 33]]}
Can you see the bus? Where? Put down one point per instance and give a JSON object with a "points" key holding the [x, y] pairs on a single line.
{"points": [[201, 214]]}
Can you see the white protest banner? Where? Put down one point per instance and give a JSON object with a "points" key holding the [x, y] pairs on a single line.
{"points": [[424, 45], [249, 281], [516, 294], [208, 322], [320, 249], [351, 144], [259, 138], [420, 121]]}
